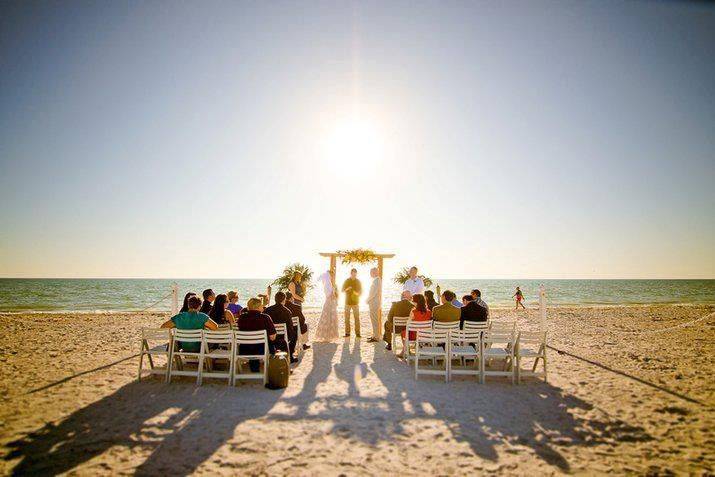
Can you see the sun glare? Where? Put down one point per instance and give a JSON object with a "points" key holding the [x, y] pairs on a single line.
{"points": [[352, 142]]}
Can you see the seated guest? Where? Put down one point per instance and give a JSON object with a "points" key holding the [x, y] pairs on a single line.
{"points": [[466, 299], [446, 312], [233, 305], [429, 298], [185, 306], [477, 295], [418, 313], [209, 297], [280, 314], [471, 311], [220, 313], [192, 319], [255, 320], [398, 308], [456, 302], [297, 310]]}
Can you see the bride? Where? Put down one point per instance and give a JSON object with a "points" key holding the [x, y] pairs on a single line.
{"points": [[327, 329]]}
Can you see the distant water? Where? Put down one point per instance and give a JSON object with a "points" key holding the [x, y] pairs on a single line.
{"points": [[137, 294]]}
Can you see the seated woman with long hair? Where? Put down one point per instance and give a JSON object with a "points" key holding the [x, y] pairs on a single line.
{"points": [[219, 312], [419, 313], [185, 306]]}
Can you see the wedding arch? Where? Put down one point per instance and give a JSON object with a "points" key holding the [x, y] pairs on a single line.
{"points": [[361, 256]]}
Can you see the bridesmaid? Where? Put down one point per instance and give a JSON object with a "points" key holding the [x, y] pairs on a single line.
{"points": [[295, 287]]}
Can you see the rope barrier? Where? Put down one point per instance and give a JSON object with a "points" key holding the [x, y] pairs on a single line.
{"points": [[660, 330], [156, 303]]}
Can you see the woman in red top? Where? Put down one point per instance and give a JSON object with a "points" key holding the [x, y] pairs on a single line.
{"points": [[419, 313]]}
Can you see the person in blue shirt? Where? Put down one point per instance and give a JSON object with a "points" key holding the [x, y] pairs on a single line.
{"points": [[191, 320]]}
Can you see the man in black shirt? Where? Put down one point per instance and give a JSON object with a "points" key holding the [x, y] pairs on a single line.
{"points": [[472, 311], [281, 314], [209, 297]]}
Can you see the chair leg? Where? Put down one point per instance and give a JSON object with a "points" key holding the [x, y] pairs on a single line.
{"points": [[265, 370], [141, 360]]}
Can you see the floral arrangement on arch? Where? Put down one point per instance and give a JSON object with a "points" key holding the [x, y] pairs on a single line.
{"points": [[287, 276], [358, 255], [404, 274]]}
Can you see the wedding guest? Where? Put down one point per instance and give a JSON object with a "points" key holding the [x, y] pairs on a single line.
{"points": [[373, 302], [209, 297], [478, 299], [446, 312], [255, 320], [414, 284], [295, 287], [352, 288], [418, 313], [472, 311], [398, 308], [456, 302], [233, 305], [220, 313], [192, 319], [279, 313], [466, 299], [429, 298], [185, 305], [297, 310]]}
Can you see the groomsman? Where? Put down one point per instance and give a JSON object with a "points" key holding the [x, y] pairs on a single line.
{"points": [[373, 302], [352, 288]]}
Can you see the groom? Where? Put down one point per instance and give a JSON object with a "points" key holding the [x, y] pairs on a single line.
{"points": [[352, 288]]}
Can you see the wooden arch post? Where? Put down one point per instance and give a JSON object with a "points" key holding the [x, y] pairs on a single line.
{"points": [[380, 269]]}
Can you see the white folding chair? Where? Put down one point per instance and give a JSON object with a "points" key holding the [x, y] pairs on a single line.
{"points": [[442, 325], [250, 338], [464, 346], [530, 344], [432, 344], [224, 351], [413, 326], [155, 342], [397, 321], [299, 336], [497, 346], [179, 355], [282, 330]]}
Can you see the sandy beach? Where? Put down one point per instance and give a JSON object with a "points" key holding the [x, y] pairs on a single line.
{"points": [[614, 402]]}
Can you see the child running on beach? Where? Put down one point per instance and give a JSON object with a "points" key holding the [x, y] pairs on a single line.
{"points": [[519, 298]]}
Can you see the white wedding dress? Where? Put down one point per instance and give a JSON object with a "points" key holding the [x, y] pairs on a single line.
{"points": [[327, 329]]}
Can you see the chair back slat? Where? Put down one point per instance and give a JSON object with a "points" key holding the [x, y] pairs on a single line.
{"points": [[188, 336], [251, 337], [466, 335], [400, 320], [281, 329], [432, 335], [219, 336], [156, 333], [419, 325], [475, 325], [452, 325], [532, 337]]}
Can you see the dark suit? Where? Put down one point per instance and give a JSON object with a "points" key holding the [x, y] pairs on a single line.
{"points": [[398, 308], [472, 312], [297, 310], [280, 314]]}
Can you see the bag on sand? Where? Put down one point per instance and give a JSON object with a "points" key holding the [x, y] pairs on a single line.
{"points": [[278, 371]]}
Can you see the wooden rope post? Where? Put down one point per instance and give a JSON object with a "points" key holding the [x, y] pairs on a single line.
{"points": [[379, 297]]}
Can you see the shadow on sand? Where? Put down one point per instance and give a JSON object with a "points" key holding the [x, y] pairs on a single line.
{"points": [[164, 420]]}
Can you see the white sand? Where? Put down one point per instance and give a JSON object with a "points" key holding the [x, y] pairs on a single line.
{"points": [[352, 408]]}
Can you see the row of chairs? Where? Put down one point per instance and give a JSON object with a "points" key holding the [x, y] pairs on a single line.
{"points": [[223, 344], [480, 343]]}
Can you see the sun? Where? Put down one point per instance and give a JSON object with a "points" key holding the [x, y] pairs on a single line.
{"points": [[353, 141]]}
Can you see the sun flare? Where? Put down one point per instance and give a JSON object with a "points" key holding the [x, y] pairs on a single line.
{"points": [[353, 141]]}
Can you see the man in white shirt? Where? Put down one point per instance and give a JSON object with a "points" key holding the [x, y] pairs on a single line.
{"points": [[373, 301], [414, 284]]}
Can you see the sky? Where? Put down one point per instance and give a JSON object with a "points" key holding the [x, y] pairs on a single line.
{"points": [[569, 139]]}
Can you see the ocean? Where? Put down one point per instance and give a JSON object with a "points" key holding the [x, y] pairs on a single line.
{"points": [[90, 295]]}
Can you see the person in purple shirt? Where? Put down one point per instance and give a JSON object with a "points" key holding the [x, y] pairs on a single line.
{"points": [[233, 305]]}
